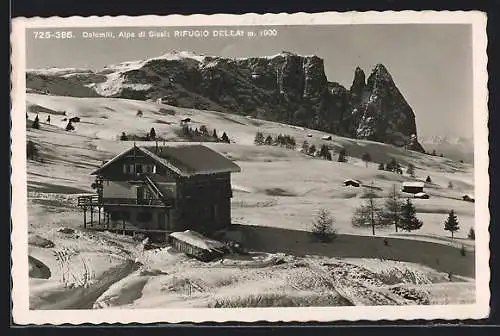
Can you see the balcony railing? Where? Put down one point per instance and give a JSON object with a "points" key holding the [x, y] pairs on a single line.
{"points": [[95, 200]]}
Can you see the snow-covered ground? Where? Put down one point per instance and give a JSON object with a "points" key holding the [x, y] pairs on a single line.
{"points": [[278, 190]]}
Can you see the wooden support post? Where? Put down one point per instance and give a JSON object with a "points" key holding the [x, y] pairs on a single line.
{"points": [[123, 225], [84, 217], [99, 218], [91, 215]]}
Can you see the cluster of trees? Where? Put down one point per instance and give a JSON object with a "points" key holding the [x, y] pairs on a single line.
{"points": [[280, 140], [324, 152], [151, 135], [400, 214], [392, 166], [203, 134]]}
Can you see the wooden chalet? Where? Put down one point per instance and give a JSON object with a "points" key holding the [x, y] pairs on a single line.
{"points": [[413, 187], [160, 189]]}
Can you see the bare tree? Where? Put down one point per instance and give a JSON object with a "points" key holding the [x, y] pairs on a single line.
{"points": [[369, 213], [391, 212]]}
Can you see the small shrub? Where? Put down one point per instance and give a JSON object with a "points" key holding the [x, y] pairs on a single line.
{"points": [[139, 113], [381, 166], [428, 179], [123, 137], [472, 234]]}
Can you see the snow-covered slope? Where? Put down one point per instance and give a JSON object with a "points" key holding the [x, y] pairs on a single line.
{"points": [[276, 196]]}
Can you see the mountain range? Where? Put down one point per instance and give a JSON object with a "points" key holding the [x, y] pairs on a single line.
{"points": [[286, 87]]}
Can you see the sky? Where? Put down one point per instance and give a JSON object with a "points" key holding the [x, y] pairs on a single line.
{"points": [[431, 64]]}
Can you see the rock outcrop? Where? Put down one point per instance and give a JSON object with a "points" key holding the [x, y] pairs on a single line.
{"points": [[286, 87]]}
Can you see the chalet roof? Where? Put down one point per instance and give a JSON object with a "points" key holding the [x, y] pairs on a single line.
{"points": [[185, 160], [413, 184]]}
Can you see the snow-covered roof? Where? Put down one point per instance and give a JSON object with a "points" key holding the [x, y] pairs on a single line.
{"points": [[185, 160], [413, 184], [196, 239]]}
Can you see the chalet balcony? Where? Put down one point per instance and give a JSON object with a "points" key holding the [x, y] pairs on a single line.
{"points": [[95, 200]]}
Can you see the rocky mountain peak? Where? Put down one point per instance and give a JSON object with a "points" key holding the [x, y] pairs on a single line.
{"points": [[286, 87]]}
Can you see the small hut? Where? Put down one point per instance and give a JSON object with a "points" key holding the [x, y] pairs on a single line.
{"points": [[412, 187], [198, 246], [352, 183]]}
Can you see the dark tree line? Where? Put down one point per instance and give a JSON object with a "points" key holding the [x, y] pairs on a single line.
{"points": [[281, 140]]}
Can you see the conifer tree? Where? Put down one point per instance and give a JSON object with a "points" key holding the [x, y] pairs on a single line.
{"points": [[410, 170], [381, 166], [428, 179], [225, 138], [472, 234], [305, 147], [69, 126], [152, 134], [409, 221], [269, 140], [366, 158], [36, 123], [323, 226], [342, 155], [215, 136], [324, 153], [259, 139], [450, 185], [451, 223], [123, 137], [312, 149]]}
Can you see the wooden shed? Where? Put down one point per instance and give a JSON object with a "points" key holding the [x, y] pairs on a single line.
{"points": [[412, 187], [198, 246]]}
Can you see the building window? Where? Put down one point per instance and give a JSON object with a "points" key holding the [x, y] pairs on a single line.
{"points": [[138, 168]]}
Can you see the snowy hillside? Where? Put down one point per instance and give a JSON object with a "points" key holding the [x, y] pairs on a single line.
{"points": [[276, 197]]}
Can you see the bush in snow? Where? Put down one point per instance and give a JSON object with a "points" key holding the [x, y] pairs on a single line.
{"points": [[381, 166], [472, 234], [123, 137], [428, 179]]}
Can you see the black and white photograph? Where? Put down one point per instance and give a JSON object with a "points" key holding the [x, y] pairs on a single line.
{"points": [[196, 168]]}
